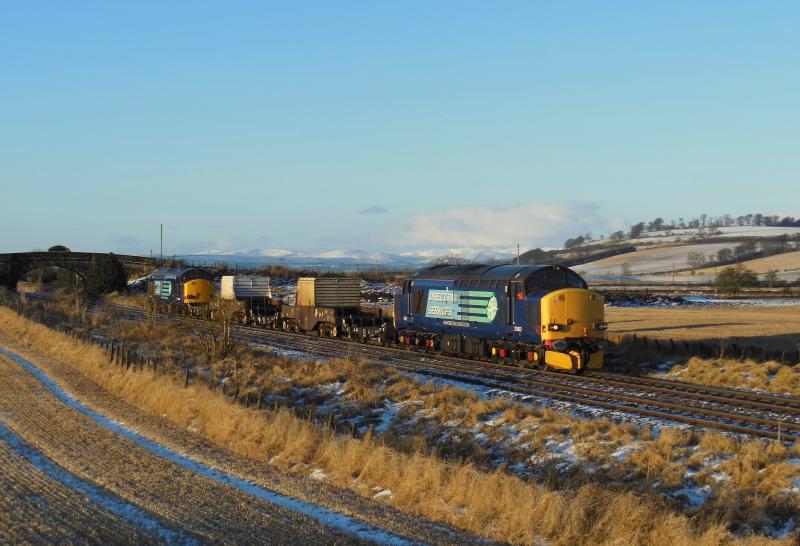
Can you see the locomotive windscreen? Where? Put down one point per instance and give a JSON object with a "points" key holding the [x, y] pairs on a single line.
{"points": [[549, 280]]}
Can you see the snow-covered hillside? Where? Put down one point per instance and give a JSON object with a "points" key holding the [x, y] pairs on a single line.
{"points": [[738, 232], [347, 259]]}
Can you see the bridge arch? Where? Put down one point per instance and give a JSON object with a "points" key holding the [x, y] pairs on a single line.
{"points": [[31, 271], [14, 266]]}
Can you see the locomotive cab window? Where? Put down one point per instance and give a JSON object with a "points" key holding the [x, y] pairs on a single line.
{"points": [[549, 280]]}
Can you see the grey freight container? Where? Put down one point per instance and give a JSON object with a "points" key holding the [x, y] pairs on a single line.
{"points": [[329, 292], [245, 287]]}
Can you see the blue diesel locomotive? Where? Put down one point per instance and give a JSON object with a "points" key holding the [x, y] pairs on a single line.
{"points": [[537, 315]]}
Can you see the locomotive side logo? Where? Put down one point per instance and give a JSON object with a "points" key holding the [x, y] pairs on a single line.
{"points": [[470, 305]]}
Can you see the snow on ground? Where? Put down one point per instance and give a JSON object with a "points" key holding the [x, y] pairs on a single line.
{"points": [[529, 446], [649, 261], [289, 353], [644, 300], [686, 235], [518, 446], [745, 302], [110, 502], [691, 495], [325, 516]]}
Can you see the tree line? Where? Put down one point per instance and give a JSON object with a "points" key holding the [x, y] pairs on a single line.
{"points": [[701, 223]]}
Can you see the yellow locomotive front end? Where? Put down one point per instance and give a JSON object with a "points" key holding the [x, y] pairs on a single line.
{"points": [[573, 328], [198, 291]]}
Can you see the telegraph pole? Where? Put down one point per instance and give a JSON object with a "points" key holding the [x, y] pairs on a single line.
{"points": [[162, 245], [517, 253]]}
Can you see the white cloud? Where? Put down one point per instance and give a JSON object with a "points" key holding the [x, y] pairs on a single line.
{"points": [[530, 224]]}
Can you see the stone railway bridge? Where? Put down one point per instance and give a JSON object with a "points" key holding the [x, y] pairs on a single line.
{"points": [[15, 265]]}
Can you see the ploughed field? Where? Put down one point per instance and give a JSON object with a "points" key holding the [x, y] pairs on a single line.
{"points": [[770, 327], [179, 504], [93, 469], [37, 507]]}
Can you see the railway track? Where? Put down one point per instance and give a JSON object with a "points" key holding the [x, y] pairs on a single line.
{"points": [[728, 409]]}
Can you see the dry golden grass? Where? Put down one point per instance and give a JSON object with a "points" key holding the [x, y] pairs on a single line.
{"points": [[770, 327], [25, 286], [767, 376], [495, 504]]}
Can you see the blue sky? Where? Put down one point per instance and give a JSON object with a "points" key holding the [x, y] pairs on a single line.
{"points": [[380, 125]]}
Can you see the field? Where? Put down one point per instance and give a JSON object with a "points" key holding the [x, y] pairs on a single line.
{"points": [[177, 497], [91, 469], [787, 262], [35, 506], [770, 327], [494, 504], [649, 261]]}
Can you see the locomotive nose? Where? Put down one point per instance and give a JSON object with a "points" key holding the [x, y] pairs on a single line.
{"points": [[572, 313]]}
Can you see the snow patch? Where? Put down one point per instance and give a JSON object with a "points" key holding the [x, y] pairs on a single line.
{"points": [[383, 494], [691, 495], [623, 452], [388, 415]]}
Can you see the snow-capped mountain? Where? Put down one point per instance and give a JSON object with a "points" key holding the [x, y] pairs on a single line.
{"points": [[347, 258]]}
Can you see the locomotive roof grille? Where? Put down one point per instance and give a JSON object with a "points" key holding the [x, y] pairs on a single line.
{"points": [[184, 273], [480, 272], [494, 275]]}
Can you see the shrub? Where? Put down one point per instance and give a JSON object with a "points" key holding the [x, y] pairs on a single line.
{"points": [[733, 279]]}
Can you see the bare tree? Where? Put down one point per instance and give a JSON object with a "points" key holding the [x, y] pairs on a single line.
{"points": [[215, 333], [696, 260], [451, 259], [80, 305], [72, 303], [149, 304], [772, 277]]}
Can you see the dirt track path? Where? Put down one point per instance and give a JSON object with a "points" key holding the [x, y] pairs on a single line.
{"points": [[183, 499], [172, 494]]}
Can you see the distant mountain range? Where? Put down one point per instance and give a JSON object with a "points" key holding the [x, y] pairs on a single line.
{"points": [[345, 259]]}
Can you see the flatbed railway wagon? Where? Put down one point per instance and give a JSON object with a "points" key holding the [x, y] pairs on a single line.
{"points": [[254, 292], [331, 306], [533, 315]]}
